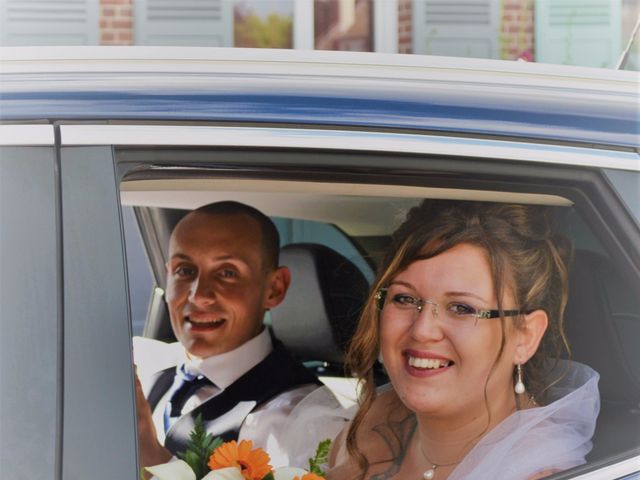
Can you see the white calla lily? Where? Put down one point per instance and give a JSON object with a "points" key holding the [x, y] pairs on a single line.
{"points": [[178, 470], [288, 473], [229, 473]]}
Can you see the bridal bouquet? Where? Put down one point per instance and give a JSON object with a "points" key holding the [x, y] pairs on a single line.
{"points": [[207, 458]]}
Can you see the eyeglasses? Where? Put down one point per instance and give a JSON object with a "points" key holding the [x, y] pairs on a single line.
{"points": [[399, 304]]}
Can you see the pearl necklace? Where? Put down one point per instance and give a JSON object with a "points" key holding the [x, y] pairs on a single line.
{"points": [[430, 473]]}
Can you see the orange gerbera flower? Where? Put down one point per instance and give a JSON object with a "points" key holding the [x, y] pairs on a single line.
{"points": [[309, 476], [253, 463]]}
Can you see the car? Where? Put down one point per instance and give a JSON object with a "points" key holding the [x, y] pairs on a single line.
{"points": [[335, 146]]}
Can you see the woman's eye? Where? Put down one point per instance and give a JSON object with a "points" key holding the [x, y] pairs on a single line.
{"points": [[404, 300], [461, 309]]}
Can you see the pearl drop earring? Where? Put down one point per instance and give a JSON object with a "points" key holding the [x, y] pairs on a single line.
{"points": [[519, 388]]}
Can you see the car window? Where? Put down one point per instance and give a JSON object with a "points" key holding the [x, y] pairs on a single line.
{"points": [[138, 271], [602, 315]]}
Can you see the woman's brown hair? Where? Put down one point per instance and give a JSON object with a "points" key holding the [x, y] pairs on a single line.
{"points": [[525, 254]]}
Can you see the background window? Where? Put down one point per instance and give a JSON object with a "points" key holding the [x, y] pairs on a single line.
{"points": [[343, 25], [263, 23]]}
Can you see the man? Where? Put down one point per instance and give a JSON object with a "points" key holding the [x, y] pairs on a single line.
{"points": [[222, 276]]}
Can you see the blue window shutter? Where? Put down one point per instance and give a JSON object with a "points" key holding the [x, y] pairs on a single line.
{"points": [[468, 28], [578, 32], [184, 22], [49, 22]]}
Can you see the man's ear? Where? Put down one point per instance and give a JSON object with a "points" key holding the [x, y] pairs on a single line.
{"points": [[529, 335], [279, 283]]}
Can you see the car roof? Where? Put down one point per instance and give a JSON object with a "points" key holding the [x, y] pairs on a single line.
{"points": [[474, 97]]}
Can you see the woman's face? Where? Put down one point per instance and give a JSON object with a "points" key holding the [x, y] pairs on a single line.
{"points": [[439, 357]]}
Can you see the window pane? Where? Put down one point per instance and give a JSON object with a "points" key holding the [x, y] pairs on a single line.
{"points": [[343, 25], [140, 281], [263, 23]]}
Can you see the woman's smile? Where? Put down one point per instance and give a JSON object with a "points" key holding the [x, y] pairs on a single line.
{"points": [[425, 364]]}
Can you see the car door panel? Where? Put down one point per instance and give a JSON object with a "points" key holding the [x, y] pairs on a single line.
{"points": [[29, 314], [98, 395]]}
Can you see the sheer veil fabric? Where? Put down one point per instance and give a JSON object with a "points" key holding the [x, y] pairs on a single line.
{"points": [[555, 436]]}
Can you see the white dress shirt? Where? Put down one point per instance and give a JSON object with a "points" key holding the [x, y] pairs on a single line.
{"points": [[263, 426]]}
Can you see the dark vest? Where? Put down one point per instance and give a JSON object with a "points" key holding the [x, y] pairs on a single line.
{"points": [[224, 414]]}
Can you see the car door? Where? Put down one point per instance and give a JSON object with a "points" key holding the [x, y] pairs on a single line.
{"points": [[30, 283], [67, 404]]}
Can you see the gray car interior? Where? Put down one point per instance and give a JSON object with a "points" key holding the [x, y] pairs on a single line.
{"points": [[597, 292], [318, 316]]}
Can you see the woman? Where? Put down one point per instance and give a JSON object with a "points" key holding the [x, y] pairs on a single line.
{"points": [[465, 314]]}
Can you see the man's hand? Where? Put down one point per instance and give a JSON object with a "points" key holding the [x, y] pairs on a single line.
{"points": [[149, 449]]}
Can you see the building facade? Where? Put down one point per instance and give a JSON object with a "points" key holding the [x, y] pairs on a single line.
{"points": [[591, 33]]}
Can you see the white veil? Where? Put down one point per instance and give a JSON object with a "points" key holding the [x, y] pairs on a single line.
{"points": [[556, 436]]}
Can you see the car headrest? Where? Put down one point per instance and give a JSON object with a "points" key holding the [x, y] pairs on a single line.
{"points": [[319, 314], [602, 322]]}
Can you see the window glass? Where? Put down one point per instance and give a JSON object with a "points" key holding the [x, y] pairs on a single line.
{"points": [[138, 272], [263, 23], [343, 25], [627, 185]]}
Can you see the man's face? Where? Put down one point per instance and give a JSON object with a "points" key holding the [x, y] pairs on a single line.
{"points": [[217, 285]]}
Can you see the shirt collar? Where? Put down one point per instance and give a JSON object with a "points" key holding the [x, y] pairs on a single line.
{"points": [[224, 369]]}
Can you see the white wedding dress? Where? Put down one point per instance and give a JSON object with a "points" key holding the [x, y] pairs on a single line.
{"points": [[555, 436]]}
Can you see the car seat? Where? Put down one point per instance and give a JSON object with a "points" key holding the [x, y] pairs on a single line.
{"points": [[319, 315], [602, 323]]}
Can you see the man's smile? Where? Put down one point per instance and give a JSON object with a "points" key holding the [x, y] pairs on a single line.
{"points": [[200, 322]]}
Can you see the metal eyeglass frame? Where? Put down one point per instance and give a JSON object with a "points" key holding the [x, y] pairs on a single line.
{"points": [[381, 295]]}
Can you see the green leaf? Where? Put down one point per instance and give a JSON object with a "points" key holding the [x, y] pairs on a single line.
{"points": [[199, 448], [321, 457], [268, 476]]}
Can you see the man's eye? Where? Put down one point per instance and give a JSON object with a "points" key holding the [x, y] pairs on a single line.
{"points": [[460, 309], [404, 300], [184, 271], [228, 273]]}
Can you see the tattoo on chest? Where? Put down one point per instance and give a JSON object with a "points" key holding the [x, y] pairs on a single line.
{"points": [[396, 435]]}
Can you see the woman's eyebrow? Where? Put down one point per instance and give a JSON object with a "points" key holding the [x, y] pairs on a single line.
{"points": [[453, 293], [465, 294], [400, 282]]}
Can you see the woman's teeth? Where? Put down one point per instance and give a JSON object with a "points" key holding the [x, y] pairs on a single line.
{"points": [[428, 363]]}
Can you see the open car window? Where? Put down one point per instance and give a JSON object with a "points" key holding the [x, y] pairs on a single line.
{"points": [[357, 217]]}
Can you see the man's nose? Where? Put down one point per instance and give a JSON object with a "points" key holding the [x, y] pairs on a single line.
{"points": [[202, 291]]}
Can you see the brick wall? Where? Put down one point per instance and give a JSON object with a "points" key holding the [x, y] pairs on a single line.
{"points": [[516, 37], [116, 22], [405, 29]]}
